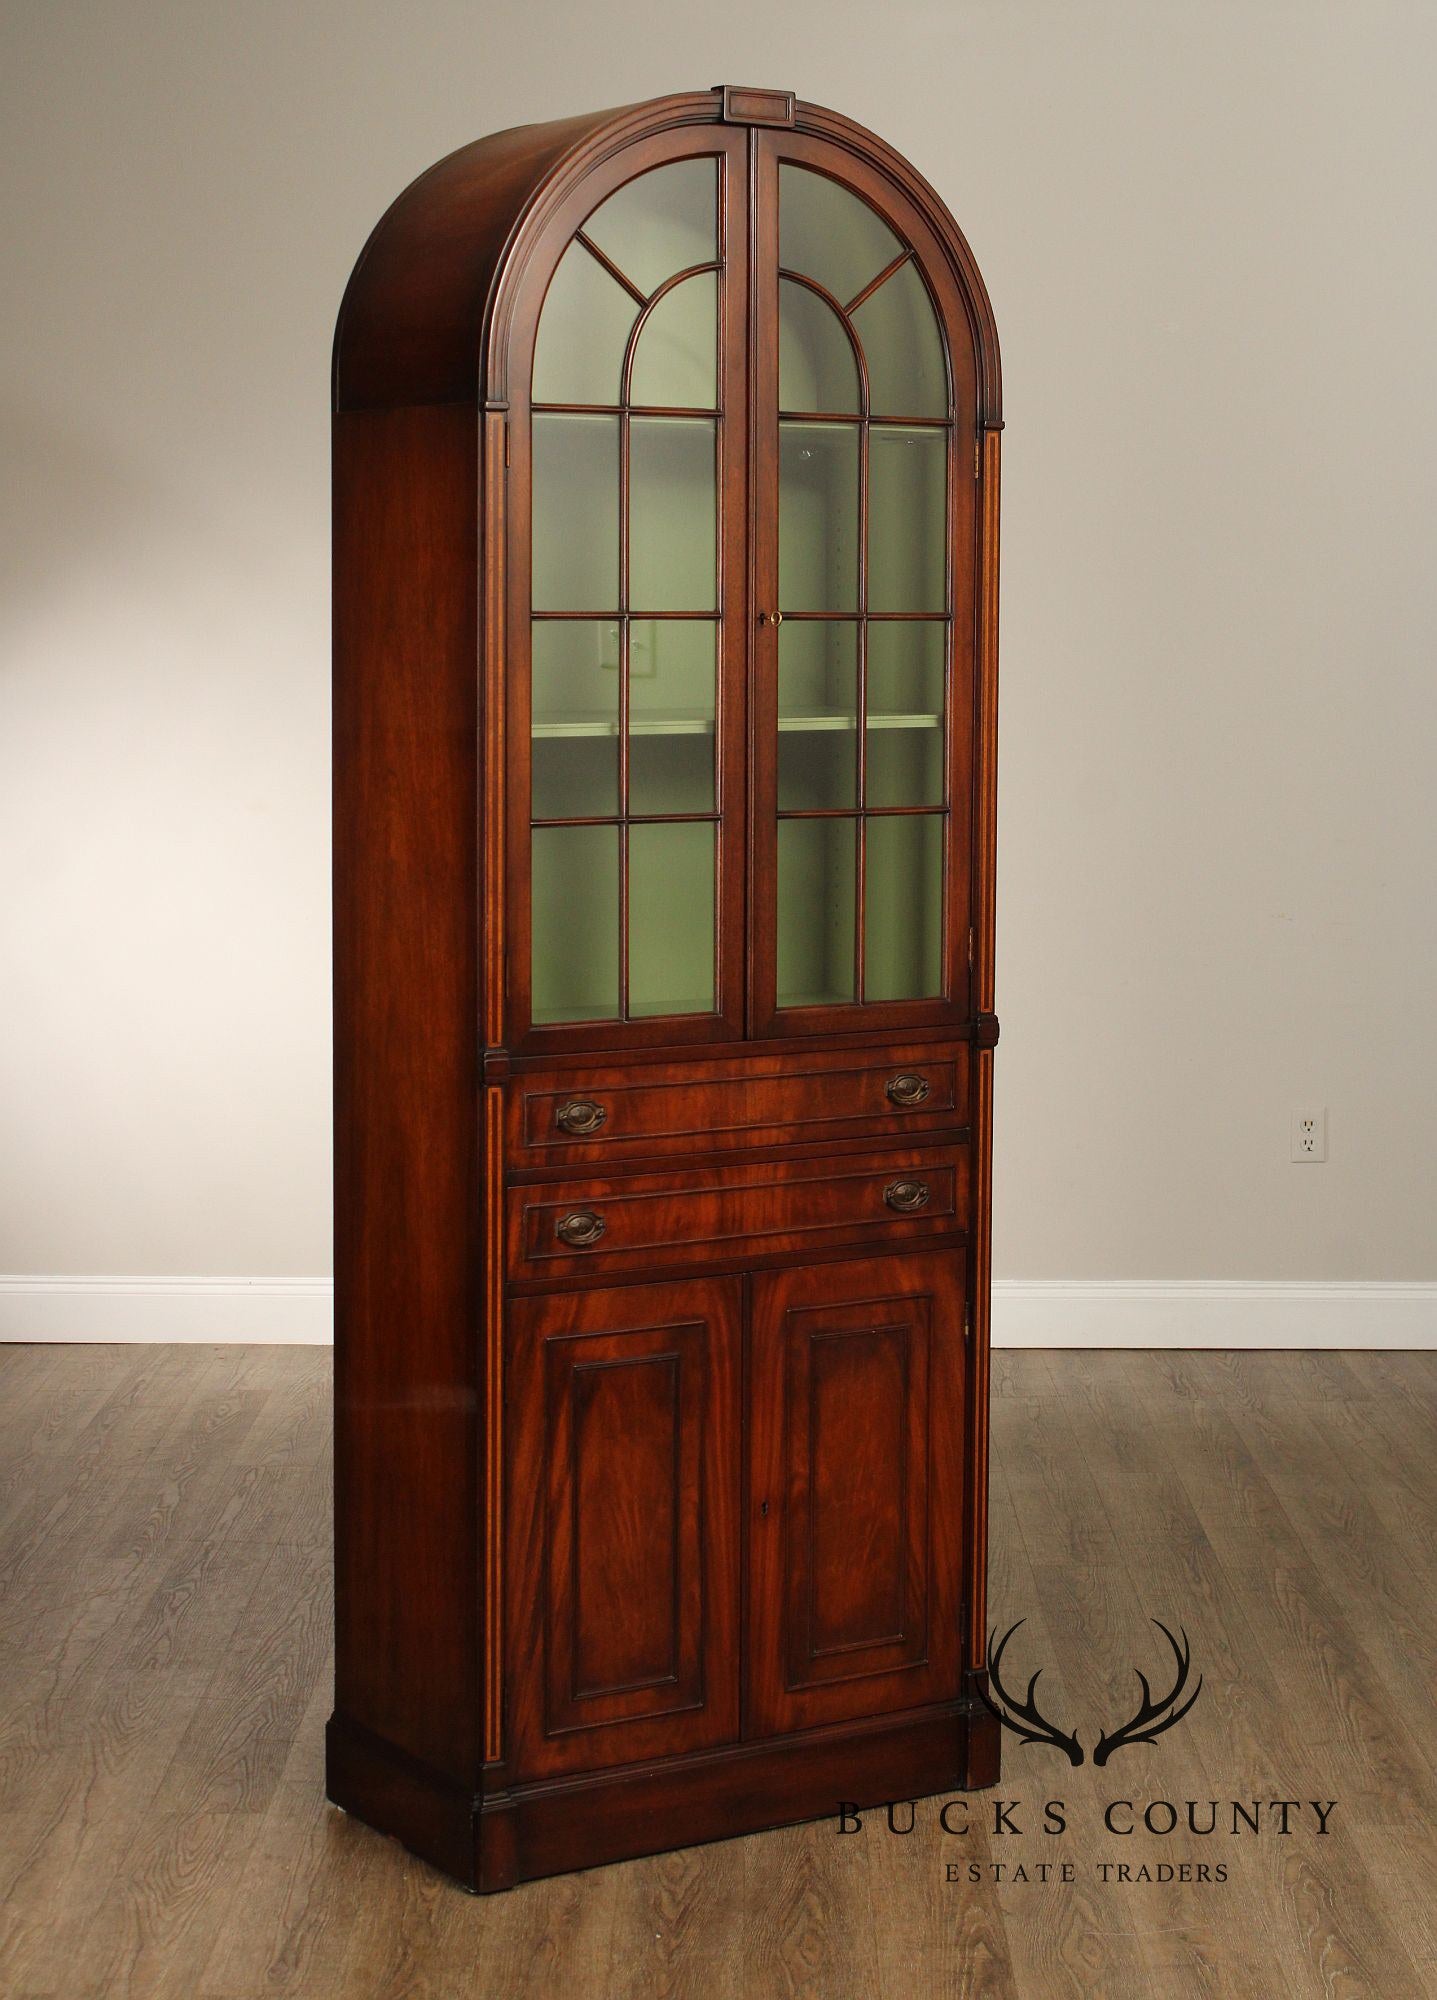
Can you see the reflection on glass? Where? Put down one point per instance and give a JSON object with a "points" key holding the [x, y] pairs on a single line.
{"points": [[574, 724], [903, 903], [827, 232], [576, 513], [907, 526], [818, 517], [817, 715], [671, 918], [575, 876], [671, 715], [583, 331], [671, 514], [675, 359], [816, 904], [816, 368], [901, 345], [905, 713], [660, 223]]}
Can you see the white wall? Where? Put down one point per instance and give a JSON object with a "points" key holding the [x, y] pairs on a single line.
{"points": [[1208, 233]]}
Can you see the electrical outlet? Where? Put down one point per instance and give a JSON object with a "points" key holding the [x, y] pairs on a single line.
{"points": [[1309, 1132]]}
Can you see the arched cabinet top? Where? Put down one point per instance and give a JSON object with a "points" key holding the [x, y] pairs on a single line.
{"points": [[428, 306]]}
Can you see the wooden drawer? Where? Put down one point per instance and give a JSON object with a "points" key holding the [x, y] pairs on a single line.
{"points": [[722, 1106], [696, 1218]]}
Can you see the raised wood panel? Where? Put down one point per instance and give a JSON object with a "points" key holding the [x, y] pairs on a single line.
{"points": [[696, 1216], [856, 1489], [733, 1104], [623, 1547]]}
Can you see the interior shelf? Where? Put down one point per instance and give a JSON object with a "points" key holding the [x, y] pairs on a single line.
{"points": [[702, 725]]}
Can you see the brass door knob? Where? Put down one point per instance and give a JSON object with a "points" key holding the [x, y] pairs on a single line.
{"points": [[906, 1089], [580, 1229], [580, 1116], [906, 1196]]}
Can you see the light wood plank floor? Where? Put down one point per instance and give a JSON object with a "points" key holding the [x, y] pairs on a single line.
{"points": [[165, 1676]]}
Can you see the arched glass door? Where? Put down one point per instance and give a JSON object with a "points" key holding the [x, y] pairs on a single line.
{"points": [[863, 650], [634, 620]]}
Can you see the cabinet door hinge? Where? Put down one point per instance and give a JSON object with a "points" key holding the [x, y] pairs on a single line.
{"points": [[506, 444], [978, 456]]}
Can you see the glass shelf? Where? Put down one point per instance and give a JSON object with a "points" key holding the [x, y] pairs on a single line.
{"points": [[702, 725]]}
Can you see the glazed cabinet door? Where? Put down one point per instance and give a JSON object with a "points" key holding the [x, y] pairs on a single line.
{"points": [[865, 430], [623, 1559], [625, 660], [856, 1491]]}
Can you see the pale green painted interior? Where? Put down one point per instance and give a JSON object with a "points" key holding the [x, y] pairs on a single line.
{"points": [[671, 918], [576, 513], [817, 905], [828, 233], [816, 366], [672, 526], [574, 681], [903, 901], [575, 914], [660, 223], [672, 686], [818, 517], [905, 713], [583, 300], [907, 482], [676, 358], [902, 347], [817, 714]]}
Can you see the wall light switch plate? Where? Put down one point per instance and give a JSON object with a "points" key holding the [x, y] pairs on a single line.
{"points": [[1309, 1132]]}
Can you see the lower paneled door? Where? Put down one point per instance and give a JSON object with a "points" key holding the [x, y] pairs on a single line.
{"points": [[627, 1508], [856, 1473]]}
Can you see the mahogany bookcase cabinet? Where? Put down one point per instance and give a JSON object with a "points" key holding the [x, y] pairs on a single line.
{"points": [[665, 685]]}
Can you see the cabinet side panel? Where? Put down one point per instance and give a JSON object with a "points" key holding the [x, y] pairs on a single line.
{"points": [[405, 1037]]}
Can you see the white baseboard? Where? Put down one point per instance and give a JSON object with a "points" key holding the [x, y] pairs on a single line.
{"points": [[1211, 1312], [280, 1311], [1041, 1312]]}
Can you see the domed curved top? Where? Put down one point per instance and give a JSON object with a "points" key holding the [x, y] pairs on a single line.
{"points": [[423, 312]]}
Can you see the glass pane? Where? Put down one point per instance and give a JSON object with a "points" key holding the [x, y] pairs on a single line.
{"points": [[583, 331], [827, 232], [816, 368], [907, 528], [660, 223], [676, 360], [815, 911], [671, 514], [574, 723], [905, 714], [576, 923], [671, 919], [671, 716], [903, 905], [901, 345], [576, 513], [817, 715], [818, 517]]}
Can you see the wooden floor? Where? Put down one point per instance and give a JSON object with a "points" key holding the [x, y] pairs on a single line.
{"points": [[165, 1676]]}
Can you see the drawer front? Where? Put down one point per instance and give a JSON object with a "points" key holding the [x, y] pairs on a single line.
{"points": [[691, 1219], [632, 1112]]}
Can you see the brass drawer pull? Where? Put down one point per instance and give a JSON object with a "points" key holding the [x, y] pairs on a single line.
{"points": [[906, 1089], [583, 1227], [906, 1196], [580, 1117]]}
